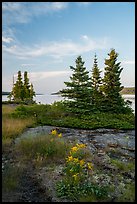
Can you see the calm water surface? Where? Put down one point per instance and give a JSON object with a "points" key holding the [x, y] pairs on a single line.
{"points": [[49, 99]]}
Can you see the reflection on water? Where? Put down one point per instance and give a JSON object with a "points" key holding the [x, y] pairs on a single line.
{"points": [[48, 99]]}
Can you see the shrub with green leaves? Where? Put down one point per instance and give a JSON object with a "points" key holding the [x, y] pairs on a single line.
{"points": [[77, 171]]}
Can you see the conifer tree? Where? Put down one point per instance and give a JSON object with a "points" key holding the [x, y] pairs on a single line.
{"points": [[26, 86], [78, 91], [18, 88], [22, 91], [96, 82], [32, 92], [111, 84]]}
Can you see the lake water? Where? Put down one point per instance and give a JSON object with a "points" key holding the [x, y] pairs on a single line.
{"points": [[48, 99]]}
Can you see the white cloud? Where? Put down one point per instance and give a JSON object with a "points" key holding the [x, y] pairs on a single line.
{"points": [[84, 3], [59, 5], [57, 49], [6, 39], [22, 12], [36, 76], [85, 37], [44, 82]]}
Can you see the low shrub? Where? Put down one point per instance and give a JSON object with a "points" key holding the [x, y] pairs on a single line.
{"points": [[57, 115], [77, 172]]}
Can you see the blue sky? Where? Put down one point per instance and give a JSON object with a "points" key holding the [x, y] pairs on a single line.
{"points": [[45, 38]]}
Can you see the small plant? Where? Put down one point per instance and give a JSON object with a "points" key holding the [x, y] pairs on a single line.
{"points": [[76, 167], [77, 172], [44, 148]]}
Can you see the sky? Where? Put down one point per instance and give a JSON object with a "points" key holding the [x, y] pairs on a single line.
{"points": [[45, 38]]}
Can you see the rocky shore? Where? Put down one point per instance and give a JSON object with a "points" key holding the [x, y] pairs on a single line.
{"points": [[104, 144]]}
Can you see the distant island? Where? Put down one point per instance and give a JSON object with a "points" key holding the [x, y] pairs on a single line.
{"points": [[56, 93], [128, 90], [125, 90], [7, 93]]}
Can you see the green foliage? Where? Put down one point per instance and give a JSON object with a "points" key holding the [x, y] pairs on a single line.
{"points": [[111, 87], [74, 192], [96, 81], [77, 172], [57, 115], [78, 91], [128, 194], [22, 92], [86, 94]]}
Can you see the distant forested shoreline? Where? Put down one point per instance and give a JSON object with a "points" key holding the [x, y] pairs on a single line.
{"points": [[128, 90], [125, 90], [7, 93]]}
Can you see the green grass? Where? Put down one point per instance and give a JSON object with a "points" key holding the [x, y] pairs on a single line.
{"points": [[42, 149], [12, 127], [11, 178], [122, 166]]}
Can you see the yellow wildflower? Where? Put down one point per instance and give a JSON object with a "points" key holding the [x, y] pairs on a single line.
{"points": [[90, 166], [60, 135], [70, 158], [74, 149], [76, 160], [54, 132], [81, 162], [81, 145]]}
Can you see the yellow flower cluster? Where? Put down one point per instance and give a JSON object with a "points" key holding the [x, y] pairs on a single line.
{"points": [[80, 145], [76, 166], [75, 160], [77, 147], [54, 132]]}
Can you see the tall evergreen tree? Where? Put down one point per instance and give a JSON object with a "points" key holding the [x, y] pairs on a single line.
{"points": [[112, 85], [96, 78], [26, 86], [32, 92], [18, 88], [96, 82], [22, 91], [78, 91]]}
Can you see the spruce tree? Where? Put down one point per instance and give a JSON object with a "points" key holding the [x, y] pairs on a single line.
{"points": [[18, 88], [26, 86], [96, 82], [22, 92], [112, 86], [78, 91], [32, 92]]}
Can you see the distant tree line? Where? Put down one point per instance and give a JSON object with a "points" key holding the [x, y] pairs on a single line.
{"points": [[22, 91], [87, 94]]}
